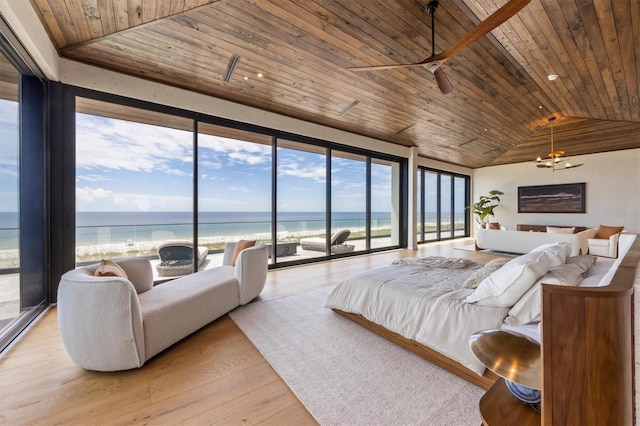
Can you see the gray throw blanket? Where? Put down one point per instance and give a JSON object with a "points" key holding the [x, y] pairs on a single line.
{"points": [[436, 262]]}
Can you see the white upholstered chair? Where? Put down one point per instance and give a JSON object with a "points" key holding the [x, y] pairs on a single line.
{"points": [[605, 242], [605, 247]]}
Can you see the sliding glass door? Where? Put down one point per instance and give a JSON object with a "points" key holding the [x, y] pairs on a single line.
{"points": [[301, 197], [150, 178], [9, 194], [23, 231], [134, 181], [442, 201], [348, 202], [234, 188]]}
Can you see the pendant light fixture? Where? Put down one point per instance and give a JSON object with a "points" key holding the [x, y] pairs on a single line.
{"points": [[555, 161]]}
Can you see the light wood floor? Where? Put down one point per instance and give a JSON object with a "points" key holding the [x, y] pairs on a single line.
{"points": [[215, 376]]}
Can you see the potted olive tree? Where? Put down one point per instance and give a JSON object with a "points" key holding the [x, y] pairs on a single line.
{"points": [[483, 209]]}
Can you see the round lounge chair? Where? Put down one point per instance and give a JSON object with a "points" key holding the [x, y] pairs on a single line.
{"points": [[337, 242], [176, 258]]}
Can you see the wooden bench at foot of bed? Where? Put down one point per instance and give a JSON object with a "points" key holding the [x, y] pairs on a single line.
{"points": [[485, 381]]}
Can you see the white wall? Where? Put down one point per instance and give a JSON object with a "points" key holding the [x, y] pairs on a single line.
{"points": [[612, 190]]}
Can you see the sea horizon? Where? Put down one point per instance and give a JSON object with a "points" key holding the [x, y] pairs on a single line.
{"points": [[96, 228]]}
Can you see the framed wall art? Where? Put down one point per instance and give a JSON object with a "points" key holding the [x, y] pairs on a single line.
{"points": [[562, 198]]}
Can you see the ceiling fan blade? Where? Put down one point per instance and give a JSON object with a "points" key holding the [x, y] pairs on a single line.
{"points": [[494, 20], [443, 82], [386, 67]]}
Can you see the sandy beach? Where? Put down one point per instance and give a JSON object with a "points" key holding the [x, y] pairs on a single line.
{"points": [[10, 258]]}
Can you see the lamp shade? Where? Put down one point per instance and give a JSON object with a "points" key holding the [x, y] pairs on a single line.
{"points": [[510, 355]]}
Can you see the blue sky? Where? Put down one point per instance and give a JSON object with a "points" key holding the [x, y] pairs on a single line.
{"points": [[127, 166]]}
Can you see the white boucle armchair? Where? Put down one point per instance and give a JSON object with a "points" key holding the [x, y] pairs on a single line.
{"points": [[111, 323]]}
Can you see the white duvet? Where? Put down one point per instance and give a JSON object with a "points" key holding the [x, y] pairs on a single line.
{"points": [[421, 303]]}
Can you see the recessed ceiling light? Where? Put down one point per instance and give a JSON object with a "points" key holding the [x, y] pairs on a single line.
{"points": [[539, 106], [552, 77], [246, 78], [260, 75]]}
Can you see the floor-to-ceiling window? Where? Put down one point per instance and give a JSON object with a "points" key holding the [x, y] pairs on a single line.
{"points": [[302, 195], [134, 181], [9, 193], [147, 176], [349, 201], [385, 203], [234, 187], [442, 201], [23, 230]]}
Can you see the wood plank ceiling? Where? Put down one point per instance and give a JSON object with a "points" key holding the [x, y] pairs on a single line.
{"points": [[293, 55]]}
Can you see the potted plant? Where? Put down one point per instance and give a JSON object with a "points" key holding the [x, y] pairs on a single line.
{"points": [[483, 209]]}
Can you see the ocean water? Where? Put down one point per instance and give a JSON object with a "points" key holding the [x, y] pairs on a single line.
{"points": [[121, 227]]}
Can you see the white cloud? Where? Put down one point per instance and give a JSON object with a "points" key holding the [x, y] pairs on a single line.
{"points": [[249, 158], [239, 188], [287, 167], [93, 178], [99, 199], [11, 172], [121, 145]]}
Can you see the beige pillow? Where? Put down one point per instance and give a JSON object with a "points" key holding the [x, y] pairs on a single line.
{"points": [[476, 278], [108, 268], [241, 245], [527, 309], [605, 232], [556, 230], [584, 261], [505, 287]]}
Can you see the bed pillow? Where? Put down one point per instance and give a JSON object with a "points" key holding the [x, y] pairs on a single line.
{"points": [[489, 268], [527, 309], [505, 287], [558, 252], [585, 261]]}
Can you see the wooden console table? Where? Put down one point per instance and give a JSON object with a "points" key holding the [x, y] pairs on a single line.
{"points": [[499, 407]]}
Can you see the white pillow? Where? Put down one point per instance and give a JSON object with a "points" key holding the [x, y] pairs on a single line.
{"points": [[505, 287], [528, 307], [558, 252], [556, 230]]}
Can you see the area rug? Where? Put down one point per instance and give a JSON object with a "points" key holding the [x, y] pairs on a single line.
{"points": [[347, 375]]}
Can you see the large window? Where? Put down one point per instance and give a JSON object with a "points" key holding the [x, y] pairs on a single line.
{"points": [[234, 187], [23, 237], [134, 181], [349, 200], [301, 196], [442, 201], [9, 194], [149, 178], [385, 203]]}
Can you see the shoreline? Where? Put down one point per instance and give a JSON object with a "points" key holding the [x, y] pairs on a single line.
{"points": [[9, 258]]}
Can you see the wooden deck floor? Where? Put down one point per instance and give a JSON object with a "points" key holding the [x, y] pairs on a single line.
{"points": [[215, 376]]}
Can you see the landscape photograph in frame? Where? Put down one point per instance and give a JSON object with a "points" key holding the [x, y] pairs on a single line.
{"points": [[562, 198]]}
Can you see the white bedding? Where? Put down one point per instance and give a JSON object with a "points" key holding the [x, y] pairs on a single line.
{"points": [[420, 303]]}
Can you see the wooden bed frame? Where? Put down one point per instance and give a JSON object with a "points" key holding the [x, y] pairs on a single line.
{"points": [[587, 350], [485, 381]]}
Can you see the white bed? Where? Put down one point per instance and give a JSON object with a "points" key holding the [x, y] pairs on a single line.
{"points": [[421, 303], [433, 301]]}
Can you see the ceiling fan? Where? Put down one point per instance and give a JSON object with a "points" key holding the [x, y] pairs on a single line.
{"points": [[434, 62]]}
